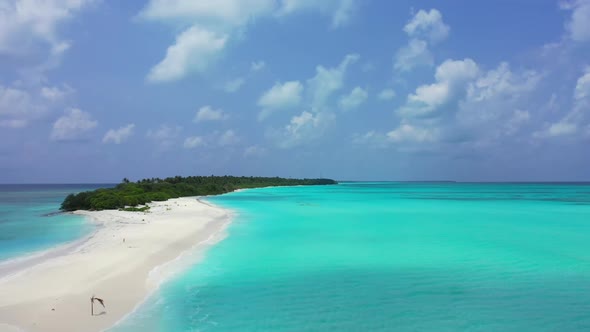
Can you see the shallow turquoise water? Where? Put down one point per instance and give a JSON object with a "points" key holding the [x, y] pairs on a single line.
{"points": [[26, 227], [389, 257]]}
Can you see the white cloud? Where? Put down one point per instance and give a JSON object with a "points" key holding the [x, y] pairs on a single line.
{"points": [[371, 138], [208, 113], [424, 29], [579, 24], [468, 104], [456, 71], [342, 11], [428, 25], [495, 94], [214, 22], [280, 96], [55, 93], [194, 50], [415, 54], [513, 124], [216, 13], [386, 94], [408, 133], [257, 65], [193, 142], [353, 100], [23, 23], [328, 81], [234, 85], [165, 136], [311, 124], [577, 116], [16, 107], [557, 129], [19, 106], [120, 135], [229, 137], [412, 136], [73, 125], [254, 151], [451, 77], [303, 128], [582, 90], [502, 81]]}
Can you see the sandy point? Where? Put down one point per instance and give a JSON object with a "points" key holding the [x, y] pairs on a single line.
{"points": [[116, 264]]}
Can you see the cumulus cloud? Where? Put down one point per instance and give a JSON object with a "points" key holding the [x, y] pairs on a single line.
{"points": [[280, 96], [465, 104], [254, 151], [193, 142], [516, 121], [24, 23], [579, 24], [386, 94], [194, 50], [257, 65], [208, 113], [20, 106], [494, 107], [234, 85], [120, 135], [371, 138], [328, 80], [415, 54], [424, 29], [496, 93], [228, 137], [342, 11], [302, 128], [582, 90], [16, 107], [428, 25], [217, 13], [354, 99], [210, 24], [54, 93], [409, 133], [73, 125], [312, 123], [404, 137], [165, 136], [577, 116], [451, 77], [557, 129]]}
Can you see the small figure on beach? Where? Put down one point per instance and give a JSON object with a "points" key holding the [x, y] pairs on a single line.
{"points": [[92, 299]]}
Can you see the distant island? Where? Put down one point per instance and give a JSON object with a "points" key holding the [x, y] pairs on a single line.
{"points": [[128, 195]]}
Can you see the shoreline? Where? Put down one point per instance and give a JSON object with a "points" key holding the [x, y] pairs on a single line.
{"points": [[123, 262]]}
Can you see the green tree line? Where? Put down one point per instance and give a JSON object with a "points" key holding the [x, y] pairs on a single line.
{"points": [[129, 193]]}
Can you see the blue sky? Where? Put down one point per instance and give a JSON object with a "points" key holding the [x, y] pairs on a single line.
{"points": [[94, 91]]}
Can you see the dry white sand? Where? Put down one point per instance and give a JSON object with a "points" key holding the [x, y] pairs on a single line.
{"points": [[121, 263]]}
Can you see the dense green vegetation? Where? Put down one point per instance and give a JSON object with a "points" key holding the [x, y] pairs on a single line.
{"points": [[144, 208], [129, 194]]}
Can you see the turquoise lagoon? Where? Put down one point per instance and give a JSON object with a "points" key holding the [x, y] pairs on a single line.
{"points": [[29, 221], [388, 257]]}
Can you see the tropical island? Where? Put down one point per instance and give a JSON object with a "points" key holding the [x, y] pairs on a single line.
{"points": [[128, 195]]}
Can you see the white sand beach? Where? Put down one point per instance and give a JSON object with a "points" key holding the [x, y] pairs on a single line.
{"points": [[120, 263]]}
